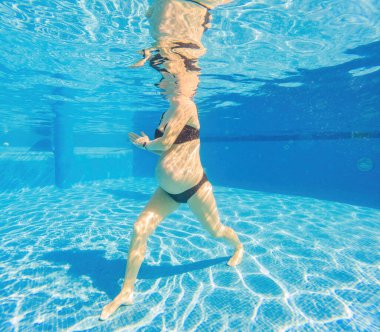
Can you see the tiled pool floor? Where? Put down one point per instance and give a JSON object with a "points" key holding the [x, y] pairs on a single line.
{"points": [[309, 265]]}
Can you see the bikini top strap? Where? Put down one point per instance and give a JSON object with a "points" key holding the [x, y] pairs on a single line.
{"points": [[161, 118]]}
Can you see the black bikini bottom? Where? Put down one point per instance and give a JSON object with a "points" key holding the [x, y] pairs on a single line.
{"points": [[184, 196]]}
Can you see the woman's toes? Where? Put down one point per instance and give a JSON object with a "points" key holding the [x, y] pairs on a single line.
{"points": [[236, 258], [110, 308]]}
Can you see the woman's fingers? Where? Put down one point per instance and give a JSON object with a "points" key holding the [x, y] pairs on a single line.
{"points": [[133, 136], [138, 140]]}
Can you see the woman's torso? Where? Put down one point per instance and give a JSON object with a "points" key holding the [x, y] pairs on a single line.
{"points": [[177, 27], [179, 168]]}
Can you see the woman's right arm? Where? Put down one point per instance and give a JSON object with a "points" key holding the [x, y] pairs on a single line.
{"points": [[180, 116]]}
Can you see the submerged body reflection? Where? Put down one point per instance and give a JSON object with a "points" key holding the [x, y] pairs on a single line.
{"points": [[177, 27]]}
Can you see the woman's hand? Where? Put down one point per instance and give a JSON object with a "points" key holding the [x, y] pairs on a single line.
{"points": [[139, 140]]}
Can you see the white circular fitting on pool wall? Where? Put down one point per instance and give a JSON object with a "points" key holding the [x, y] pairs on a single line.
{"points": [[365, 164]]}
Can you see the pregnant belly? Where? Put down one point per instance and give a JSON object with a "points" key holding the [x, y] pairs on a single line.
{"points": [[178, 169]]}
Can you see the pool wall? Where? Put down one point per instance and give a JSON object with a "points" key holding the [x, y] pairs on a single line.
{"points": [[315, 134]]}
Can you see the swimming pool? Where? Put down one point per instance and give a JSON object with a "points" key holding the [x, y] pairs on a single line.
{"points": [[288, 105]]}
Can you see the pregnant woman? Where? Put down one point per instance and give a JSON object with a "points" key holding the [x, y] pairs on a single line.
{"points": [[177, 27]]}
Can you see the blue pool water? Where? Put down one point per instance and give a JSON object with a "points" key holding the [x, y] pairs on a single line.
{"points": [[288, 103], [310, 265]]}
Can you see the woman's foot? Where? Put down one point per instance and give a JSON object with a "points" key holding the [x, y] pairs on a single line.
{"points": [[237, 256], [121, 299]]}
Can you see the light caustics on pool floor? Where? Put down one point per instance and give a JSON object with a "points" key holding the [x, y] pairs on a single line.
{"points": [[310, 265]]}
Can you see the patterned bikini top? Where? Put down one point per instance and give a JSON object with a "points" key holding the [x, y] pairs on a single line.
{"points": [[188, 133]]}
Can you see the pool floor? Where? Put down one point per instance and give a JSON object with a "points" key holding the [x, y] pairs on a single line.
{"points": [[309, 265]]}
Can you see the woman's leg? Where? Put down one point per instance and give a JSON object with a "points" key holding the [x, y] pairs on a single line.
{"points": [[203, 205], [158, 207]]}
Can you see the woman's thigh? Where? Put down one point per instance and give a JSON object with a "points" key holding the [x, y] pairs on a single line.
{"points": [[204, 207], [158, 207]]}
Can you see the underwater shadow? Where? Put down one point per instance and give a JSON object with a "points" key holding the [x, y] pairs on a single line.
{"points": [[105, 273], [128, 194]]}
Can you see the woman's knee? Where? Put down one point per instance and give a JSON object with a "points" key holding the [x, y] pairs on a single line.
{"points": [[138, 228], [145, 224], [218, 231]]}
